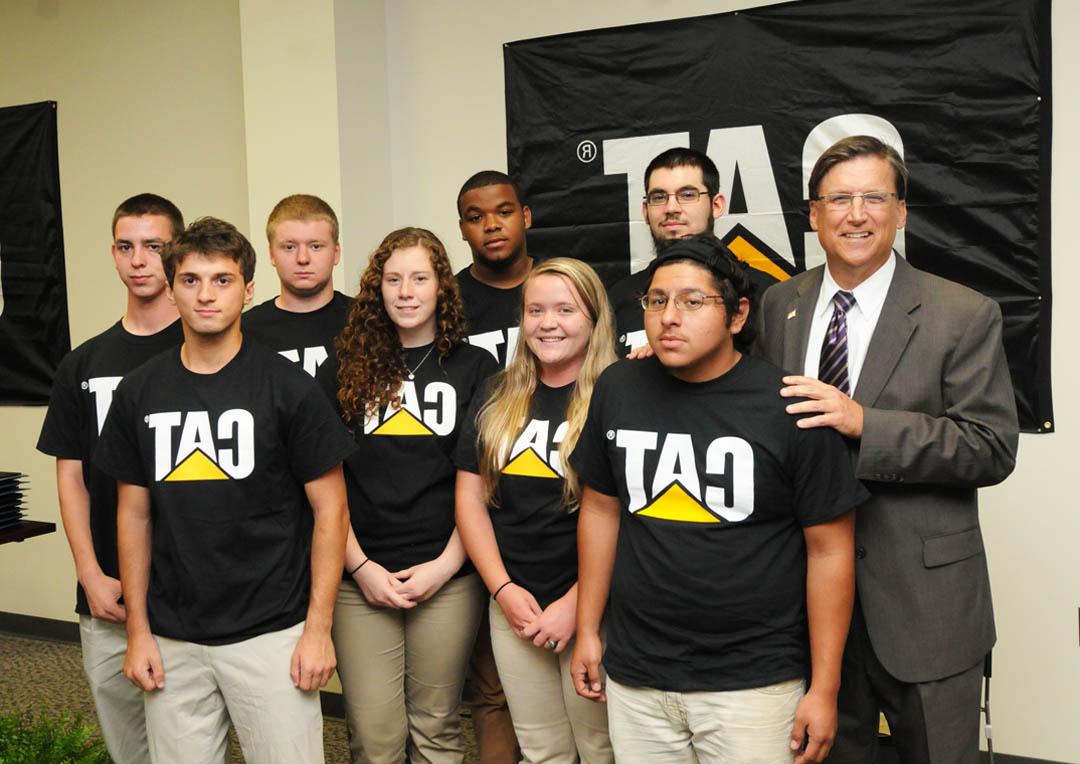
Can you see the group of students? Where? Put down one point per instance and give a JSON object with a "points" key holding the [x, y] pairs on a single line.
{"points": [[470, 460]]}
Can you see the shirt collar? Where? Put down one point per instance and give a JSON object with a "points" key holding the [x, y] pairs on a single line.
{"points": [[869, 295]]}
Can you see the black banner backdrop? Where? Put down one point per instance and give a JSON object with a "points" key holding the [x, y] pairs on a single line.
{"points": [[960, 87], [33, 293]]}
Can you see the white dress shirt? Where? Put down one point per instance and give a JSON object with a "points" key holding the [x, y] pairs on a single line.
{"points": [[861, 319]]}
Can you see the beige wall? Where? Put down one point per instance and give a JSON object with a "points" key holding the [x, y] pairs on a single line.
{"points": [[420, 88], [291, 115], [150, 99]]}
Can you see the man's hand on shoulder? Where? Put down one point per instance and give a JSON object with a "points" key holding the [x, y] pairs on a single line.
{"points": [[830, 406], [313, 660]]}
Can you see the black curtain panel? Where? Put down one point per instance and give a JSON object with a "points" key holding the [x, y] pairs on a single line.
{"points": [[33, 292]]}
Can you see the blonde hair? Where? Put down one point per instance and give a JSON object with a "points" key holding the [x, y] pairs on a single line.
{"points": [[501, 419], [303, 207]]}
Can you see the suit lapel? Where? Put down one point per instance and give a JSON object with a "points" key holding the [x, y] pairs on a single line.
{"points": [[800, 314], [894, 328]]}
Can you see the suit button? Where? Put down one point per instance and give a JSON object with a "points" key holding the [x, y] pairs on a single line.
{"points": [[860, 552]]}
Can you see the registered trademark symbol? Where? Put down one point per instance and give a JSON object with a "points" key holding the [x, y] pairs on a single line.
{"points": [[586, 151]]}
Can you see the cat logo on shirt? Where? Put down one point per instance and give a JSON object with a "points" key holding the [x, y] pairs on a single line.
{"points": [[533, 454], [433, 412], [309, 358], [102, 389], [206, 450], [678, 491], [501, 343]]}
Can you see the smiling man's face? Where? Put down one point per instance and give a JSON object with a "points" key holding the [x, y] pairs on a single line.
{"points": [[858, 240]]}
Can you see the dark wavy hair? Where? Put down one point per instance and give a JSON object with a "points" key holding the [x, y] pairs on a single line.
{"points": [[369, 348], [209, 236]]}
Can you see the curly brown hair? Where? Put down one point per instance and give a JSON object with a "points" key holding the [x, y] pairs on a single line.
{"points": [[369, 348]]}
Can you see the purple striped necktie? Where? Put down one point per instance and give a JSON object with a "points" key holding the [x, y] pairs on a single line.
{"points": [[833, 368]]}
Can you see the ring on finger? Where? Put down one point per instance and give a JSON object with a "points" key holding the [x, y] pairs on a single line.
{"points": [[551, 644]]}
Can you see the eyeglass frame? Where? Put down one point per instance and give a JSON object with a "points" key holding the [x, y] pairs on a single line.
{"points": [[829, 199], [667, 196], [644, 300]]}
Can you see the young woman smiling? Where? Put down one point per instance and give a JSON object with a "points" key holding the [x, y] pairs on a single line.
{"points": [[517, 500], [408, 610]]}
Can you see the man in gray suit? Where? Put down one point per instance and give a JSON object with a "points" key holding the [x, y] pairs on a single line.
{"points": [[911, 369]]}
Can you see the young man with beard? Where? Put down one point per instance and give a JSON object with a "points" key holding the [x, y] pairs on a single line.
{"points": [[682, 199], [303, 321], [493, 220], [722, 531], [223, 451], [81, 396]]}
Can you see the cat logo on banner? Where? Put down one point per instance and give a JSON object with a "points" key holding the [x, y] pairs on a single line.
{"points": [[763, 92]]}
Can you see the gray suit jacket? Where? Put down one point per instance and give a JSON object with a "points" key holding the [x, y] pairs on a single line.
{"points": [[939, 421]]}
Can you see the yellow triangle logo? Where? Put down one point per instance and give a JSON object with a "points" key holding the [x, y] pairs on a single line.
{"points": [[755, 258], [197, 466], [529, 464], [402, 423], [676, 504]]}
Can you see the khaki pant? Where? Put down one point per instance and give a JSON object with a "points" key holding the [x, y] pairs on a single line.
{"points": [[553, 723], [402, 672], [496, 742], [247, 682], [119, 703], [736, 727]]}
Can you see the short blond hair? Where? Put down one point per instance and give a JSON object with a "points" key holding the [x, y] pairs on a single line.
{"points": [[301, 207]]}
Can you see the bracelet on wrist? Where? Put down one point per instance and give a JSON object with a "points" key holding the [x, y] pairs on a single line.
{"points": [[495, 596], [365, 562]]}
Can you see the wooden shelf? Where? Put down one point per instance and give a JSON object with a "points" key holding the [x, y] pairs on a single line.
{"points": [[24, 530]]}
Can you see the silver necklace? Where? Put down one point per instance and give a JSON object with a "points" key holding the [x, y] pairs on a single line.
{"points": [[413, 370]]}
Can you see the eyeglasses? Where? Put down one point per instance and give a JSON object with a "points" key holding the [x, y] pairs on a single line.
{"points": [[871, 199], [687, 195], [684, 301]]}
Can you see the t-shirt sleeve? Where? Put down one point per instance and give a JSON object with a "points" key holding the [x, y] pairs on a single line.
{"points": [[466, 452], [65, 419], [117, 450], [590, 457], [824, 479], [317, 439]]}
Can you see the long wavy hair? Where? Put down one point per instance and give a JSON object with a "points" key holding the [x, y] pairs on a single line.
{"points": [[502, 417], [369, 347]]}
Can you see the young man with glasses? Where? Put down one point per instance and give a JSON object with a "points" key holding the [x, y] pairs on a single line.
{"points": [[715, 532], [910, 369], [682, 199]]}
